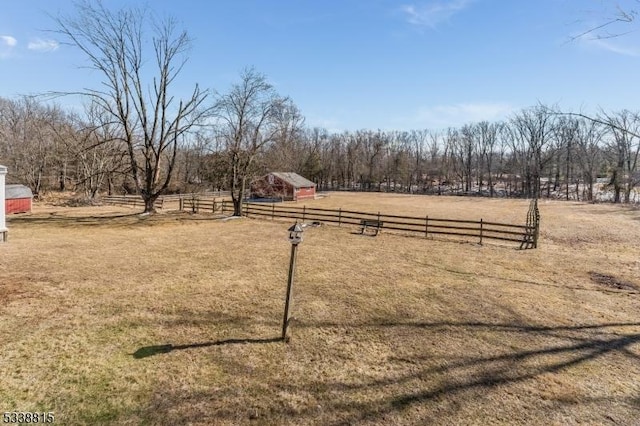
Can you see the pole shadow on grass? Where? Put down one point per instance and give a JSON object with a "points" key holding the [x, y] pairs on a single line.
{"points": [[147, 351]]}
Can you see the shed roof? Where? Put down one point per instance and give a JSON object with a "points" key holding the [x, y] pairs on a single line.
{"points": [[294, 179], [17, 191]]}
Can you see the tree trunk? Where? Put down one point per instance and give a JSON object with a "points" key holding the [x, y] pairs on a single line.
{"points": [[149, 203], [238, 196], [615, 181]]}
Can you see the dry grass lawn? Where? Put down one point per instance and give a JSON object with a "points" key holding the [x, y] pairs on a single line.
{"points": [[108, 317]]}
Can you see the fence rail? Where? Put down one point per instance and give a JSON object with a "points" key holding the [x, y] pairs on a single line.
{"points": [[130, 201], [425, 226], [163, 202], [480, 230]]}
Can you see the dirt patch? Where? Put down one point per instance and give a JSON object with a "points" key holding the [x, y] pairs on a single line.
{"points": [[612, 282], [14, 290]]}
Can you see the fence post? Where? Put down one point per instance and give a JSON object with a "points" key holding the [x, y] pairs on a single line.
{"points": [[213, 205], [180, 203], [246, 208], [340, 216], [426, 227], [536, 232], [273, 210], [304, 212], [535, 241], [480, 231], [162, 204]]}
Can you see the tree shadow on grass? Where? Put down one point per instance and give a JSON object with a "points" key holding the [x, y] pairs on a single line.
{"points": [[425, 387], [147, 351], [86, 220], [110, 220], [493, 371]]}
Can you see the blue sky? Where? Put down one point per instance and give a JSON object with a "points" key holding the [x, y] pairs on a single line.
{"points": [[376, 64]]}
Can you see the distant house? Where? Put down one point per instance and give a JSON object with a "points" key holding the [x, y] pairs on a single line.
{"points": [[18, 199], [285, 186]]}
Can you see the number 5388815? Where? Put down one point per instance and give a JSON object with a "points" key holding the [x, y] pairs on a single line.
{"points": [[27, 417]]}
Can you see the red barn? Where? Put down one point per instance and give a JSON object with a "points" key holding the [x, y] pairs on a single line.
{"points": [[17, 199], [285, 186]]}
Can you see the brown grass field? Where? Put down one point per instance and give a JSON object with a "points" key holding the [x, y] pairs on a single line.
{"points": [[108, 317]]}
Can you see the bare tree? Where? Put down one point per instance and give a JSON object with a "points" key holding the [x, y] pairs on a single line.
{"points": [[465, 151], [30, 144], [488, 139], [589, 153], [531, 133], [615, 23], [245, 127], [138, 73], [624, 147], [99, 153], [289, 150], [566, 133]]}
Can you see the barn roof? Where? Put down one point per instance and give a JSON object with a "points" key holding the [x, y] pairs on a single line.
{"points": [[294, 179], [17, 191]]}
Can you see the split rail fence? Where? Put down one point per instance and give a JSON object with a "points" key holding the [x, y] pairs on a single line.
{"points": [[165, 202], [477, 230]]}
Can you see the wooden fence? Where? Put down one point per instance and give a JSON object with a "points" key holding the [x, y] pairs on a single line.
{"points": [[533, 226], [165, 202], [476, 230], [129, 201], [426, 226]]}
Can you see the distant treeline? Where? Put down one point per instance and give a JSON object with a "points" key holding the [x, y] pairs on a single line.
{"points": [[536, 151]]}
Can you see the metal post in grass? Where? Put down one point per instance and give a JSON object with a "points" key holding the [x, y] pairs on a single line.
{"points": [[295, 238]]}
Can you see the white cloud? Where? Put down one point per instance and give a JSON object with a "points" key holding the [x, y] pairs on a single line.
{"points": [[443, 116], [7, 43], [330, 124], [433, 13], [612, 47], [8, 40], [40, 45]]}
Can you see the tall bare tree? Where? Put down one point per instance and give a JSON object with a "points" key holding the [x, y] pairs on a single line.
{"points": [[137, 90], [590, 153], [245, 127], [488, 139]]}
